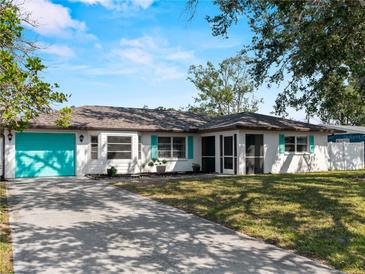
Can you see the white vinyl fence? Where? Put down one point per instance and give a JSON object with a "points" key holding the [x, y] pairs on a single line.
{"points": [[346, 156]]}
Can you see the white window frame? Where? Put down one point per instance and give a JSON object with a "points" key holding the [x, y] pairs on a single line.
{"points": [[172, 146], [296, 144], [119, 159], [97, 148]]}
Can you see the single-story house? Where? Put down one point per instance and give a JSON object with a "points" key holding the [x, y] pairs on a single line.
{"points": [[128, 138], [349, 134]]}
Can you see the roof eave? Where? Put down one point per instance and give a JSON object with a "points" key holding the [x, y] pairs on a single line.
{"points": [[234, 127], [191, 130], [48, 127]]}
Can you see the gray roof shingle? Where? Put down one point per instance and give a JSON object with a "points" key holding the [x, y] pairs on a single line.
{"points": [[121, 118], [250, 120], [143, 119]]}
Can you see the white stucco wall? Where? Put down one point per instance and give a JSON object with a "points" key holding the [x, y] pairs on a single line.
{"points": [[100, 165], [174, 165], [274, 162], [86, 165], [9, 157], [134, 165]]}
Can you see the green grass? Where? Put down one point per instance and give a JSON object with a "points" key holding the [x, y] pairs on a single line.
{"points": [[319, 215], [6, 265]]}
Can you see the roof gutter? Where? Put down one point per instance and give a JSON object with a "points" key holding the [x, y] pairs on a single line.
{"points": [[192, 130], [234, 127]]}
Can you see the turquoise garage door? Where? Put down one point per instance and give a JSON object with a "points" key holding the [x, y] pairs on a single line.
{"points": [[44, 154]]}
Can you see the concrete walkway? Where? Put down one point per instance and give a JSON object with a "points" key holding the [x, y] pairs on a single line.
{"points": [[83, 226]]}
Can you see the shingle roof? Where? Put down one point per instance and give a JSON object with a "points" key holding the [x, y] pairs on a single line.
{"points": [[142, 119], [250, 120], [120, 118]]}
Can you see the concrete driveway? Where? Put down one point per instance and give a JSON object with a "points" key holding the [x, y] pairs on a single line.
{"points": [[74, 225]]}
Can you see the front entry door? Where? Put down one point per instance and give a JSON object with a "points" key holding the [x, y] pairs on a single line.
{"points": [[208, 154], [254, 153], [228, 156]]}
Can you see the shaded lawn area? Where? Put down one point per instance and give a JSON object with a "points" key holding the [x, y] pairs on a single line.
{"points": [[319, 215], [6, 265]]}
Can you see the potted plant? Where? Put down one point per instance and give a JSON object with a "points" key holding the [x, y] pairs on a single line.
{"points": [[112, 171], [196, 168], [160, 165]]}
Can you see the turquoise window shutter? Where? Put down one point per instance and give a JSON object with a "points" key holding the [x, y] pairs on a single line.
{"points": [[190, 147], [154, 147], [281, 143], [311, 144]]}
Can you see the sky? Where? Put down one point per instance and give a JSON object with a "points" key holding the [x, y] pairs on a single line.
{"points": [[131, 53]]}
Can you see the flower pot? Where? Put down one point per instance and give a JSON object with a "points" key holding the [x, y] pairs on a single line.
{"points": [[112, 172], [160, 169]]}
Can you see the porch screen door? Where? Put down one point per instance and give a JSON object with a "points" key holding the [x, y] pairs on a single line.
{"points": [[228, 156], [254, 153]]}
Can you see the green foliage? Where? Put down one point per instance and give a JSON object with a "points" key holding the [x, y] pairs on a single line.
{"points": [[317, 46], [6, 265], [112, 171], [64, 117], [157, 162], [345, 106], [23, 93], [223, 89]]}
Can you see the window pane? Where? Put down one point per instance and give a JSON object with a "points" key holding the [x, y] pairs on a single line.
{"points": [[302, 148], [94, 155], [228, 145], [119, 139], [179, 140], [228, 163], [119, 147], [178, 147], [164, 140], [289, 140], [94, 147], [94, 139], [178, 154], [164, 146], [119, 155], [94, 151], [289, 147], [302, 140], [164, 153]]}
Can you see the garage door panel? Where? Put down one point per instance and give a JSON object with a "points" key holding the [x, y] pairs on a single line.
{"points": [[45, 154]]}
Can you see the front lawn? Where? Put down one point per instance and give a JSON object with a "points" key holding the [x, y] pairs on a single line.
{"points": [[5, 243], [319, 215]]}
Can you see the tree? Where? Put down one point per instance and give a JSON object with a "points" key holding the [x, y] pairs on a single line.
{"points": [[318, 46], [23, 93], [223, 89], [344, 107]]}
